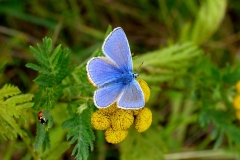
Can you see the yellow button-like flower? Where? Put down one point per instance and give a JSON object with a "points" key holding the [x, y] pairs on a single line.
{"points": [[100, 121], [122, 119], [136, 111], [115, 136], [110, 110], [145, 89], [238, 87], [236, 102], [143, 120], [238, 115]]}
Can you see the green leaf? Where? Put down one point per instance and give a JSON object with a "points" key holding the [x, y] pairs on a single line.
{"points": [[12, 106], [222, 121], [56, 54], [8, 90], [38, 68], [39, 57], [18, 99], [45, 81], [209, 17], [81, 133], [56, 151], [146, 145], [47, 46], [168, 63], [41, 134]]}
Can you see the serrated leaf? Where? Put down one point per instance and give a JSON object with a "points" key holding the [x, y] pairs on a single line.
{"points": [[46, 142], [11, 121], [56, 53], [47, 45], [9, 90], [38, 68], [39, 57], [24, 106], [81, 133], [11, 108], [44, 80], [41, 50], [18, 99], [40, 136]]}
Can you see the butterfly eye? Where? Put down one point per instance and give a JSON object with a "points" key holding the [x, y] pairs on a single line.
{"points": [[135, 75]]}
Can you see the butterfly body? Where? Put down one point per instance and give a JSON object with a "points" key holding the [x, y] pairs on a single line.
{"points": [[113, 74]]}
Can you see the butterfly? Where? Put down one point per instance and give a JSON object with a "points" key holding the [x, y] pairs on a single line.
{"points": [[113, 74]]}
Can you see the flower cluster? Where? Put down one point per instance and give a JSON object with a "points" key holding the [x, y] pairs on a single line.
{"points": [[236, 101], [117, 121]]}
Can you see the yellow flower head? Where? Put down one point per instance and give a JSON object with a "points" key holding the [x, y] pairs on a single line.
{"points": [[136, 111], [238, 87], [238, 114], [145, 89], [236, 102], [143, 120], [110, 110], [115, 136], [122, 119], [100, 121]]}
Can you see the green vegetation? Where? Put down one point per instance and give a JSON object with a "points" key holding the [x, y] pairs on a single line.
{"points": [[189, 50]]}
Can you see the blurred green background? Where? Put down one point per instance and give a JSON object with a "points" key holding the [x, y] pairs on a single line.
{"points": [[213, 25]]}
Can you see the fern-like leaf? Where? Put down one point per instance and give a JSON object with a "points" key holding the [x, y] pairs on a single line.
{"points": [[42, 138], [14, 105], [81, 133], [54, 67], [37, 68], [222, 121], [8, 90]]}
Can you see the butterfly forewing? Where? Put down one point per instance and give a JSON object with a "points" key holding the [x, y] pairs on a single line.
{"points": [[117, 48], [102, 70]]}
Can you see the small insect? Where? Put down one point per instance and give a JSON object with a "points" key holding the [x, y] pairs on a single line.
{"points": [[41, 119], [113, 74]]}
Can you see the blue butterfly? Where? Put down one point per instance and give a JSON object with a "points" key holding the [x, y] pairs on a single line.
{"points": [[113, 75]]}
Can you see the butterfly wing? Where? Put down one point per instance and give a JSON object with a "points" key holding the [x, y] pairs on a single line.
{"points": [[132, 97], [104, 97], [102, 70], [116, 47]]}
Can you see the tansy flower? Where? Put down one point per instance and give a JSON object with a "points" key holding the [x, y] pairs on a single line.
{"points": [[238, 114], [100, 121], [115, 136], [117, 121], [122, 119], [110, 110], [145, 89], [236, 102], [136, 111], [238, 87], [143, 120]]}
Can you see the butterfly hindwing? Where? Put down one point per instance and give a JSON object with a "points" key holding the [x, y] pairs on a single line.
{"points": [[116, 47], [103, 97], [132, 97]]}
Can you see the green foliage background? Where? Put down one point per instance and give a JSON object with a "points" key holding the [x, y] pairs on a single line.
{"points": [[191, 62]]}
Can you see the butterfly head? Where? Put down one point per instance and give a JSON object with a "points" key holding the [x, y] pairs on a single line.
{"points": [[135, 75]]}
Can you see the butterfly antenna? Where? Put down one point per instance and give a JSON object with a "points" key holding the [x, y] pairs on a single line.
{"points": [[139, 66]]}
